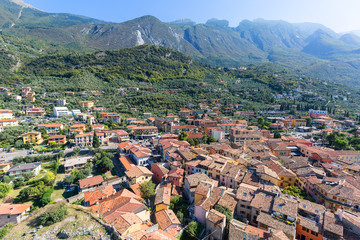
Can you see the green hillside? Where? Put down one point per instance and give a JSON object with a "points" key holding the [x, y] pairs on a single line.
{"points": [[145, 63]]}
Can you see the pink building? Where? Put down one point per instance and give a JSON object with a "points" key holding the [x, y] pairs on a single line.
{"points": [[176, 176]]}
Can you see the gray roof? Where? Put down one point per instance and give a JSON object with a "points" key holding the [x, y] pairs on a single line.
{"points": [[26, 166], [76, 161]]}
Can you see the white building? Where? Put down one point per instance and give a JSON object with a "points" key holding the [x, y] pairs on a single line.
{"points": [[75, 112], [60, 111]]}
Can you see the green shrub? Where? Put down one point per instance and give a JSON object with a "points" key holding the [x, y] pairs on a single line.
{"points": [[51, 217]]}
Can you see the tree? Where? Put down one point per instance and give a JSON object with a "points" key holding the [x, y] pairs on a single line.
{"points": [[19, 182], [180, 216], [261, 121], [6, 179], [57, 215], [309, 122], [226, 211], [191, 141], [341, 144], [96, 141], [76, 150], [147, 189], [211, 139], [4, 189], [28, 176], [277, 135], [61, 154], [295, 191], [107, 164], [193, 230], [69, 179], [183, 136]]}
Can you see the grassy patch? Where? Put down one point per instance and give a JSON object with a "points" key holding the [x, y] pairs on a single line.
{"points": [[75, 219], [10, 197]]}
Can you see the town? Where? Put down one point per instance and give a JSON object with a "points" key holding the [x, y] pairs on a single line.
{"points": [[191, 174]]}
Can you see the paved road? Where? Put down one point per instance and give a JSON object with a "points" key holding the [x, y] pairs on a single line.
{"points": [[5, 156], [118, 168]]}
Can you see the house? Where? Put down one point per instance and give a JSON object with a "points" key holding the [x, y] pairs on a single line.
{"points": [[52, 128], [35, 112], [215, 225], [86, 104], [13, 213], [162, 198], [88, 184], [32, 137], [122, 136], [9, 122], [6, 114], [84, 139], [75, 163], [168, 221], [58, 139], [317, 113], [298, 122], [239, 135], [244, 114], [126, 163], [176, 177], [4, 167], [79, 128], [60, 102], [114, 117], [159, 171], [21, 169], [191, 182], [102, 192], [138, 174], [140, 155], [61, 111], [239, 231], [145, 132]]}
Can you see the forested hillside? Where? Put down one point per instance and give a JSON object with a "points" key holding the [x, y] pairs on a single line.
{"points": [[146, 63]]}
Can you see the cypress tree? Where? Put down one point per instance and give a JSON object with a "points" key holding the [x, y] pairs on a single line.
{"points": [[96, 142]]}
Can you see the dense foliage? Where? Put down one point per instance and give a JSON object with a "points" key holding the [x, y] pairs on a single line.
{"points": [[56, 215], [147, 189]]}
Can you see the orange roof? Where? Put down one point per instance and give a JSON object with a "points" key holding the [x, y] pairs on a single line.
{"points": [[8, 120], [126, 162], [81, 125], [92, 181], [56, 136], [50, 125], [123, 144], [13, 209], [102, 192], [166, 218]]}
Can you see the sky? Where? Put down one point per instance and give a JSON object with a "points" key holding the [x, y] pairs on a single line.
{"points": [[339, 15]]}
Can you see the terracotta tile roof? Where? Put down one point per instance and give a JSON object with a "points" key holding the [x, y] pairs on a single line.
{"points": [[50, 125], [332, 225], [163, 196], [102, 192], [126, 162], [245, 192], [136, 189], [177, 172], [13, 209], [159, 234], [262, 201], [166, 218], [137, 171], [216, 217], [228, 201], [203, 188], [122, 221], [269, 221], [56, 136], [78, 126], [123, 145], [197, 135], [237, 230], [194, 179], [8, 120], [90, 182], [286, 206]]}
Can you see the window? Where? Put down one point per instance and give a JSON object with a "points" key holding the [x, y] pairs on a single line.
{"points": [[314, 233]]}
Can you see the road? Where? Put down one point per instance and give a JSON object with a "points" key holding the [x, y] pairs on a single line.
{"points": [[8, 156]]}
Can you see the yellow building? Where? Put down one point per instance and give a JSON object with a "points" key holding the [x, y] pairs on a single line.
{"points": [[86, 104], [6, 114], [4, 167], [32, 137], [138, 174], [162, 198], [298, 122]]}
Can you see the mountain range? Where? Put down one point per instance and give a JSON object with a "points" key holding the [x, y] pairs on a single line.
{"points": [[307, 48]]}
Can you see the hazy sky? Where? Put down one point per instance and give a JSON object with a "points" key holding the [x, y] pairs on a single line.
{"points": [[340, 15]]}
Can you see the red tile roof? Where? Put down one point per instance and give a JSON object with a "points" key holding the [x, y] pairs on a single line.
{"points": [[13, 209], [92, 181]]}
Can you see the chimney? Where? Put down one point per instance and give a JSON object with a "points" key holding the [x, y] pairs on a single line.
{"points": [[340, 214]]}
